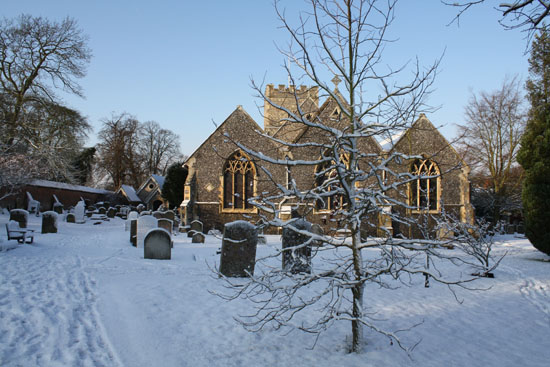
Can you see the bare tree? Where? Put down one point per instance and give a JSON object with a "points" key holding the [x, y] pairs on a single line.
{"points": [[341, 39], [36, 56], [528, 15], [130, 150], [159, 148], [117, 150], [490, 139]]}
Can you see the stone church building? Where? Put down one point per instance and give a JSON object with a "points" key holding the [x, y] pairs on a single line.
{"points": [[223, 177]]}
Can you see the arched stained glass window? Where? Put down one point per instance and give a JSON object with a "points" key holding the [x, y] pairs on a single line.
{"points": [[424, 190], [238, 182], [331, 201]]}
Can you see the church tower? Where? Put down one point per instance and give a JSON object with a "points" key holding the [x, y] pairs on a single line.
{"points": [[288, 97]]}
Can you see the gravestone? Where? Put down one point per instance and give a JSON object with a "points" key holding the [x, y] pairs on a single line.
{"points": [[49, 222], [101, 210], [166, 224], [169, 214], [132, 215], [79, 210], [144, 212], [318, 230], [198, 238], [21, 216], [157, 214], [71, 218], [196, 227], [296, 260], [111, 212], [58, 208], [140, 208], [238, 253], [157, 245], [133, 232], [144, 224]]}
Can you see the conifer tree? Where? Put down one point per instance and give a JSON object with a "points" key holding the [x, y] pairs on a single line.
{"points": [[172, 190], [534, 154]]}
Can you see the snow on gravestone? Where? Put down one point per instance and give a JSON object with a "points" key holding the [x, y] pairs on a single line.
{"points": [[238, 254], [21, 216], [144, 224], [49, 222], [79, 212], [157, 244], [132, 215], [297, 260]]}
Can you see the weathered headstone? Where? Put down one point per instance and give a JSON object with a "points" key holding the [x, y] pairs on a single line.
{"points": [[132, 215], [198, 238], [49, 222], [157, 245], [144, 224], [196, 227], [102, 210], [111, 212], [166, 224], [71, 218], [79, 210], [238, 253], [21, 216], [133, 232], [58, 208], [296, 255], [157, 214]]}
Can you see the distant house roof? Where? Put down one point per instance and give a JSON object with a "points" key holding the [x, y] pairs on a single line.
{"points": [[159, 179], [66, 186], [130, 193]]}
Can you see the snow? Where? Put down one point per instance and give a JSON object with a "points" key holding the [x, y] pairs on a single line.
{"points": [[66, 186], [130, 193], [388, 143], [85, 297]]}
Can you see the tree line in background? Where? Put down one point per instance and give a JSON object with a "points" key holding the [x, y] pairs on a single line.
{"points": [[40, 137]]}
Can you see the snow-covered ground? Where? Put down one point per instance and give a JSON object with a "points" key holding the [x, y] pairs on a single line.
{"points": [[86, 297]]}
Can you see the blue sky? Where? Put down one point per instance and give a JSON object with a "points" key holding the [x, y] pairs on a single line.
{"points": [[188, 63]]}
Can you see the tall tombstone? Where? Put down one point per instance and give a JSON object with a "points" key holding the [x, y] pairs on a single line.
{"points": [[238, 255], [157, 245], [296, 260], [79, 211], [144, 224], [21, 216], [133, 232], [131, 216], [49, 222], [196, 227], [166, 224]]}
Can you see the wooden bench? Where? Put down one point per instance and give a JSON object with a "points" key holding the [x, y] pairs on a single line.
{"points": [[22, 235]]}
